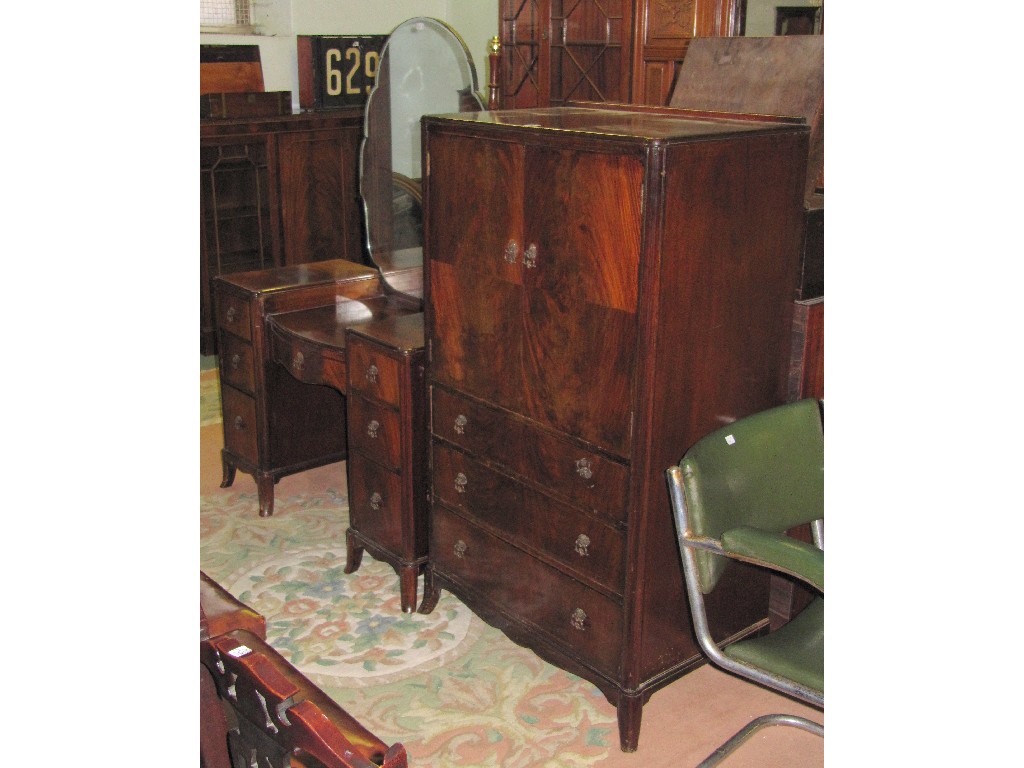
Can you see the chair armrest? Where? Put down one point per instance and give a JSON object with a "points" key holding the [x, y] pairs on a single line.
{"points": [[778, 552]]}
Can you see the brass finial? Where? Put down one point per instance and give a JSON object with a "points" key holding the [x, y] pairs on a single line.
{"points": [[495, 44]]}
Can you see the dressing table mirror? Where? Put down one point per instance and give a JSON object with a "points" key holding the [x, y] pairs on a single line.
{"points": [[425, 68]]}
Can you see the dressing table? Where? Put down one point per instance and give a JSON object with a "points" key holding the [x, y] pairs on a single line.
{"points": [[325, 362]]}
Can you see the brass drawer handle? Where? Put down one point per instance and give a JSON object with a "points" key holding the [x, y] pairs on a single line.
{"points": [[298, 361], [376, 501], [578, 619], [371, 373], [231, 315], [582, 543], [511, 251], [460, 424], [236, 359], [373, 428], [239, 423], [530, 257], [583, 469], [460, 549], [461, 481]]}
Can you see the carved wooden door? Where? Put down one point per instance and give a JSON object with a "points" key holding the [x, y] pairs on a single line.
{"points": [[663, 31], [539, 300]]}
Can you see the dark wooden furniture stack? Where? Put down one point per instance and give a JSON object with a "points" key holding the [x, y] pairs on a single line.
{"points": [[257, 709], [621, 286], [276, 191], [387, 456]]}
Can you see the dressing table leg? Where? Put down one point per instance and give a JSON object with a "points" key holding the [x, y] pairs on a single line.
{"points": [[407, 577], [431, 593], [228, 470], [353, 552], [265, 492]]}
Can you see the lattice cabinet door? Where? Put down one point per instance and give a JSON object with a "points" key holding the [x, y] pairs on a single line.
{"points": [[628, 51], [565, 50]]}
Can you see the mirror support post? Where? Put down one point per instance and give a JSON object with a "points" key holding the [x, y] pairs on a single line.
{"points": [[494, 88]]}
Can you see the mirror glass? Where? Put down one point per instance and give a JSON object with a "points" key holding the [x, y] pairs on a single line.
{"points": [[425, 68]]}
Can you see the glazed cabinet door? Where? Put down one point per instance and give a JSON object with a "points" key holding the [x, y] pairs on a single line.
{"points": [[537, 303], [554, 51]]}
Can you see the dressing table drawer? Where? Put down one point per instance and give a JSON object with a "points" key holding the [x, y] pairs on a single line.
{"points": [[239, 423], [375, 373], [236, 363], [376, 431]]}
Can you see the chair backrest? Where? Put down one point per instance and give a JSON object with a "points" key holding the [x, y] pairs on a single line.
{"points": [[279, 715], [765, 471]]}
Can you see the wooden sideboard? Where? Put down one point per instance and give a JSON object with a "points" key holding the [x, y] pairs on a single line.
{"points": [[604, 286], [276, 191]]}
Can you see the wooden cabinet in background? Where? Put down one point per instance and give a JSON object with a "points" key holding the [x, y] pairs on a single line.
{"points": [[626, 51], [276, 191], [619, 286]]}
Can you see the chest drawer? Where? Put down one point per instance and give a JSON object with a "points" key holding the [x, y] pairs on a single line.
{"points": [[587, 624], [376, 431], [576, 474], [374, 374], [236, 367], [233, 315], [239, 423], [587, 546]]}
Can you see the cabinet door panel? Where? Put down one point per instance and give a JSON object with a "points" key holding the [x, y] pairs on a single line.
{"points": [[578, 368], [477, 212], [477, 344], [583, 216]]}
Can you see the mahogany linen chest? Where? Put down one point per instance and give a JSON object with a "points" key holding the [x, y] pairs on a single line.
{"points": [[604, 285]]}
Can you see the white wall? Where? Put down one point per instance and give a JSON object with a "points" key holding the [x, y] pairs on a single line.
{"points": [[280, 21], [761, 14]]}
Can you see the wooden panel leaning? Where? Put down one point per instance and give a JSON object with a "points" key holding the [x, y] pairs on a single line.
{"points": [[262, 710]]}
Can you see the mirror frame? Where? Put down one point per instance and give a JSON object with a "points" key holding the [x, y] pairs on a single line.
{"points": [[470, 100]]}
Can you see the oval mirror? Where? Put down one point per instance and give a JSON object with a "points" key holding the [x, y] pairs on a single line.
{"points": [[425, 68]]}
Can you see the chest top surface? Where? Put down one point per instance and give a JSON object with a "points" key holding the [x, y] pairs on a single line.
{"points": [[626, 122]]}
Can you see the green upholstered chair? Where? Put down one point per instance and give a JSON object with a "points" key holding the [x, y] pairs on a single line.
{"points": [[734, 495]]}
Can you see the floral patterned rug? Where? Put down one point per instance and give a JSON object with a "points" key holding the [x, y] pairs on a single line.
{"points": [[453, 690], [209, 397]]}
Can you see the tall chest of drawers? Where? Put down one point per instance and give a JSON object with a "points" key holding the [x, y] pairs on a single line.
{"points": [[604, 286]]}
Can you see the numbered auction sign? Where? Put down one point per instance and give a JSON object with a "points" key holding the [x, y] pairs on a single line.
{"points": [[344, 69]]}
